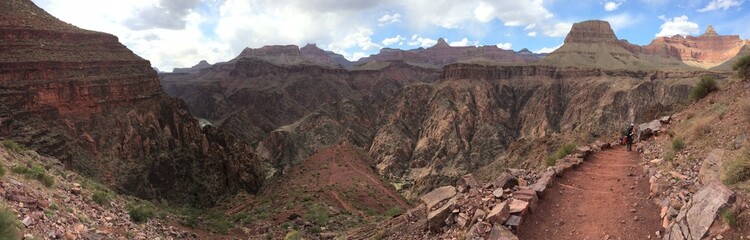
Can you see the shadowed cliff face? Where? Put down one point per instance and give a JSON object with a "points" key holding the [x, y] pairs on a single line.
{"points": [[289, 112], [88, 100]]}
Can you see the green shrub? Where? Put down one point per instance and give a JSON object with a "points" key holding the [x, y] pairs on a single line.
{"points": [[317, 215], [37, 172], [12, 146], [677, 144], [47, 180], [2, 171], [293, 235], [742, 66], [561, 152], [703, 88], [141, 212], [737, 170], [9, 224], [392, 212], [101, 197], [729, 217], [220, 224]]}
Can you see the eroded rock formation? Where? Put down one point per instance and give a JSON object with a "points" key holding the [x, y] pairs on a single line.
{"points": [[705, 51], [442, 54], [85, 98]]}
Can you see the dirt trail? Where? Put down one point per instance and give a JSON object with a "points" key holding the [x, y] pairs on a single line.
{"points": [[601, 197]]}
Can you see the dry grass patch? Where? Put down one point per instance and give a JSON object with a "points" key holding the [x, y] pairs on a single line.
{"points": [[738, 169]]}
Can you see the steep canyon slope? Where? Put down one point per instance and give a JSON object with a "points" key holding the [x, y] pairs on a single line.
{"points": [[425, 127], [85, 98]]}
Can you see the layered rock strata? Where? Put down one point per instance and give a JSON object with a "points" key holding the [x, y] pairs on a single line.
{"points": [[85, 98]]}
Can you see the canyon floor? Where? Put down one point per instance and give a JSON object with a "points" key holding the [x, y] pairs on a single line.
{"points": [[604, 198]]}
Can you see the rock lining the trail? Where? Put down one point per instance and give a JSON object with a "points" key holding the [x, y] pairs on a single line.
{"points": [[698, 215]]}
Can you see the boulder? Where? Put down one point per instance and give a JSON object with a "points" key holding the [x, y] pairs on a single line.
{"points": [[543, 182], [583, 150], [438, 204], [499, 213], [527, 195], [518, 206], [665, 119], [699, 213], [499, 232], [479, 230], [710, 167], [438, 195], [649, 129], [467, 181], [436, 217], [513, 222], [505, 180]]}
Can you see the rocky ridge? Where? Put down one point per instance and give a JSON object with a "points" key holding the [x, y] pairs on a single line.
{"points": [[85, 98], [294, 55], [442, 54], [705, 51]]}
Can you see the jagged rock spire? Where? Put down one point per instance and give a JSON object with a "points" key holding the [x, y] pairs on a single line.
{"points": [[710, 31], [441, 43]]}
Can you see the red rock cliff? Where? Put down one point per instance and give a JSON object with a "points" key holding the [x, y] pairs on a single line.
{"points": [[705, 51], [85, 98]]}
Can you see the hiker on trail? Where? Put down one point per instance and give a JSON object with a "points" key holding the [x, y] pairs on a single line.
{"points": [[629, 133]]}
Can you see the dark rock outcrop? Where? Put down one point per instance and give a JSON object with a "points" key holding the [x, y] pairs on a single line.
{"points": [[85, 98]]}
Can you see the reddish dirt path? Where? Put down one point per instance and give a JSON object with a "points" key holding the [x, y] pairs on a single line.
{"points": [[601, 197]]}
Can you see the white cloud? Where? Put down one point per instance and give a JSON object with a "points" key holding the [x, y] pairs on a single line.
{"points": [[174, 43], [179, 33], [677, 25], [623, 20], [557, 29], [548, 50], [357, 55], [506, 46], [388, 19], [463, 43], [721, 4], [360, 38], [390, 41], [611, 6], [416, 40], [459, 14]]}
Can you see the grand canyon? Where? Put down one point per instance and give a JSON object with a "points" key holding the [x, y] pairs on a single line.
{"points": [[442, 142]]}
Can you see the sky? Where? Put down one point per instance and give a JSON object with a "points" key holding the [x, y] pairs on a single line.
{"points": [[180, 33]]}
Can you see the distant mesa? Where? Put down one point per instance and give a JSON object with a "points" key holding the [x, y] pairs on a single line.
{"points": [[294, 55], [203, 64], [592, 31], [594, 44]]}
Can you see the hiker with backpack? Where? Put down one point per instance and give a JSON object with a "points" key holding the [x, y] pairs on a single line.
{"points": [[629, 137]]}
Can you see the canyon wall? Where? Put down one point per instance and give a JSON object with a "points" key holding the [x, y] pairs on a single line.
{"points": [[85, 98]]}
